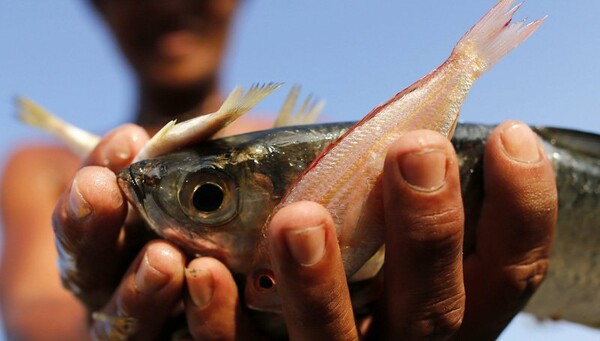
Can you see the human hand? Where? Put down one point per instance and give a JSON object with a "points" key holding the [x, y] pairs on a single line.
{"points": [[430, 275], [100, 260], [133, 289], [425, 291], [431, 289]]}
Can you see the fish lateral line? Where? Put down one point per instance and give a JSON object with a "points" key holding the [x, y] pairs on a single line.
{"points": [[465, 48]]}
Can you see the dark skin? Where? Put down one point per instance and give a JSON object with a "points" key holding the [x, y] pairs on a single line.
{"points": [[430, 289]]}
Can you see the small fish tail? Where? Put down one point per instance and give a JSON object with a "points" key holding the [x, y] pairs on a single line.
{"points": [[308, 112], [287, 109], [34, 115], [175, 135], [495, 35], [240, 102], [77, 140]]}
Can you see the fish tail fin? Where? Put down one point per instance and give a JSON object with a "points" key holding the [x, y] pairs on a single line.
{"points": [[494, 35], [76, 139], [34, 115], [308, 112], [238, 102], [287, 109], [313, 111], [175, 135]]}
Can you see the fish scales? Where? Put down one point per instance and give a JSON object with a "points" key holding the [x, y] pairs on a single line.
{"points": [[575, 261], [343, 177], [216, 202], [569, 291], [254, 169]]}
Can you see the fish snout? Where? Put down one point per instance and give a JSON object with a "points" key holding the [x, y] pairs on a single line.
{"points": [[131, 182]]}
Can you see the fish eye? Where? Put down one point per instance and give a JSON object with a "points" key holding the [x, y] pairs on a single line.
{"points": [[208, 197], [265, 281]]}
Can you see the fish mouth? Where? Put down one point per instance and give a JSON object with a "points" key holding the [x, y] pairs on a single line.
{"points": [[129, 182]]}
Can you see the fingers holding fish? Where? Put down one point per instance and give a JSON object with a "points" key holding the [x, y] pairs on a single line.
{"points": [[87, 222], [89, 217], [117, 149], [212, 303], [425, 296], [145, 299], [514, 232], [310, 274], [514, 158]]}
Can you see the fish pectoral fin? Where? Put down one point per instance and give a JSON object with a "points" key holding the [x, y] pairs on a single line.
{"points": [[307, 113], [79, 141], [176, 135]]}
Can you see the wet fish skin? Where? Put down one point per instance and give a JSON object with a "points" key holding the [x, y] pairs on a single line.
{"points": [[574, 276], [344, 176], [261, 165], [254, 168], [570, 288]]}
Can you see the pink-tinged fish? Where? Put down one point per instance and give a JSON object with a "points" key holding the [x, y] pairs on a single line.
{"points": [[215, 199], [343, 176]]}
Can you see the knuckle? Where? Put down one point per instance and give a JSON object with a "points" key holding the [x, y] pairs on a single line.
{"points": [[534, 224], [328, 312], [330, 315], [436, 228], [522, 280], [440, 321]]}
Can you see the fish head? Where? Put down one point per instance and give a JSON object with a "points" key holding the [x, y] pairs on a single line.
{"points": [[202, 201]]}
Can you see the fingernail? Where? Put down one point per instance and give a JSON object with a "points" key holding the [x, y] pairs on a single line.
{"points": [[520, 143], [201, 286], [148, 278], [424, 170], [307, 246], [78, 206]]}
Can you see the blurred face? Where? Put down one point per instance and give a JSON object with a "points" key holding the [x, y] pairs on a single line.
{"points": [[170, 43]]}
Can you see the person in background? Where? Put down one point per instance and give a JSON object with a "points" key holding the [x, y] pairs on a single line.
{"points": [[119, 284]]}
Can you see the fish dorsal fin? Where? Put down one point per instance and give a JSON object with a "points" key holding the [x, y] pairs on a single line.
{"points": [[572, 140], [176, 135], [307, 113], [76, 139]]}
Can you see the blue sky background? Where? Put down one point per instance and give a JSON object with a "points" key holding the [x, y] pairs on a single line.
{"points": [[353, 54]]}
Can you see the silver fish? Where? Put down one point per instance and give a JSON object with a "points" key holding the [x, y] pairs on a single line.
{"points": [[216, 199], [213, 198], [340, 178]]}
